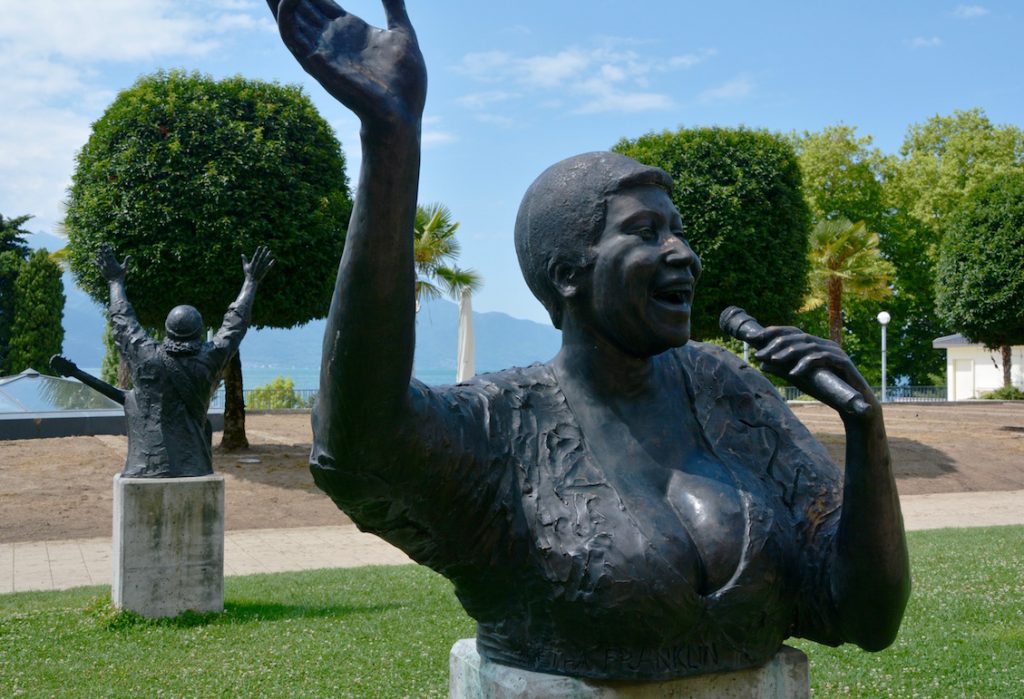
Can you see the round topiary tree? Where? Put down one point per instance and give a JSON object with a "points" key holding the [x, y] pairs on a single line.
{"points": [[980, 283], [185, 174], [739, 193]]}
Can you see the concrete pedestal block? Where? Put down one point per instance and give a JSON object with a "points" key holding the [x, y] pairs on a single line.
{"points": [[168, 545], [471, 677]]}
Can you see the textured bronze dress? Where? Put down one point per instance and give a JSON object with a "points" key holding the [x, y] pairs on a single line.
{"points": [[565, 567]]}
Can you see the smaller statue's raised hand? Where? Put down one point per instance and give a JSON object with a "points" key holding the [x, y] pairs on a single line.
{"points": [[110, 268], [260, 264], [377, 73]]}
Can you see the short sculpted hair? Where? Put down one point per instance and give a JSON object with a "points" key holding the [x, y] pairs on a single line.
{"points": [[562, 216]]}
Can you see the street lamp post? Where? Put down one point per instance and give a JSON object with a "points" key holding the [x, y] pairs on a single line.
{"points": [[884, 319]]}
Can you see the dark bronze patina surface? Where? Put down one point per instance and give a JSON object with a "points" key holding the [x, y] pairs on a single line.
{"points": [[169, 435], [641, 506]]}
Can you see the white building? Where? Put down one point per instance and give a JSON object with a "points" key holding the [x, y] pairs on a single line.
{"points": [[972, 369]]}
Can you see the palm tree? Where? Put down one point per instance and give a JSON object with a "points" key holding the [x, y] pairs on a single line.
{"points": [[845, 260], [435, 249]]}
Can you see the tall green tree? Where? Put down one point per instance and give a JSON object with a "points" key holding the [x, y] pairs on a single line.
{"points": [[980, 283], [185, 174], [945, 157], [37, 333], [435, 251], [940, 162], [739, 194], [844, 178], [845, 261], [842, 175], [14, 251]]}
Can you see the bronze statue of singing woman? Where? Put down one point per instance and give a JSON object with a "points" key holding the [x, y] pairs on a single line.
{"points": [[639, 507]]}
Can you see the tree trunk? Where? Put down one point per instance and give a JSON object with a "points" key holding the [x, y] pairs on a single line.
{"points": [[234, 407], [835, 311], [124, 374], [1007, 363]]}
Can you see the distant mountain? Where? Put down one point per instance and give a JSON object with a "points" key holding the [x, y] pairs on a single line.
{"points": [[501, 340]]}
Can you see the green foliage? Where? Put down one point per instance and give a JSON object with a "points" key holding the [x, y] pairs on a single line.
{"points": [[279, 394], [845, 262], [940, 161], [435, 250], [387, 631], [186, 174], [980, 283], [113, 370], [12, 235], [37, 333], [1004, 393], [947, 156], [842, 175], [739, 193], [13, 253]]}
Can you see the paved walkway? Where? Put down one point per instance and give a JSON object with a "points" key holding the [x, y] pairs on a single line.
{"points": [[57, 565]]}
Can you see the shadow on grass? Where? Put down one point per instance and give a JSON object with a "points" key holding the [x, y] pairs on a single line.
{"points": [[910, 458], [237, 612]]}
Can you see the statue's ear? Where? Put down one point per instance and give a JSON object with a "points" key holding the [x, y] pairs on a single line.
{"points": [[565, 277]]}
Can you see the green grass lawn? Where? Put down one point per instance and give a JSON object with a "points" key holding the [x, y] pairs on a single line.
{"points": [[386, 632]]}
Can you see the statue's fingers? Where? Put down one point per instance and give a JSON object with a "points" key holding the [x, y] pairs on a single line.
{"points": [[245, 260], [397, 17], [124, 264]]}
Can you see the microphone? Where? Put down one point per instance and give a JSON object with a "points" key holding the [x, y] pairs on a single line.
{"points": [[737, 323]]}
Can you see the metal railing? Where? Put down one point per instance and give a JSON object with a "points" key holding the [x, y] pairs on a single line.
{"points": [[893, 394]]}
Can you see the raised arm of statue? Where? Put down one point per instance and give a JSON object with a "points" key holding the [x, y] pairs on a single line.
{"points": [[369, 339], [123, 324], [236, 320], [870, 573]]}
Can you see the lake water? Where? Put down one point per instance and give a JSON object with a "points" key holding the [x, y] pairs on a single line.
{"points": [[305, 377], [309, 378]]}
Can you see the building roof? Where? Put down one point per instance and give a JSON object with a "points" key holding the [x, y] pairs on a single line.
{"points": [[956, 340], [32, 392]]}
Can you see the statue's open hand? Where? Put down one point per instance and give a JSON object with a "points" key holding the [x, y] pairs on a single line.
{"points": [[379, 74], [796, 356], [260, 264], [110, 268]]}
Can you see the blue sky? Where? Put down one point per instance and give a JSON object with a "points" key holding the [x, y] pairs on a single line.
{"points": [[516, 86]]}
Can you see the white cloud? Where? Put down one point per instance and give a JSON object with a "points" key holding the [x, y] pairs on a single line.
{"points": [[969, 11], [689, 60], [53, 55], [606, 78], [923, 42], [735, 89], [433, 138], [481, 100]]}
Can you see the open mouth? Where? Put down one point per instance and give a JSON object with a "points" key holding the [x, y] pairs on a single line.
{"points": [[677, 295]]}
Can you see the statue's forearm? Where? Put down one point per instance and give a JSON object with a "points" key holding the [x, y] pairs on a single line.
{"points": [[118, 297], [370, 338], [871, 575]]}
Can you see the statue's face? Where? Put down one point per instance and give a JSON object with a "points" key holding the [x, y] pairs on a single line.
{"points": [[641, 284]]}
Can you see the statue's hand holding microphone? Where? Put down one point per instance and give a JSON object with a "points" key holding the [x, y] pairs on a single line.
{"points": [[816, 366]]}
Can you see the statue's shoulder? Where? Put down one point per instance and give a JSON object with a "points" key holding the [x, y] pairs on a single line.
{"points": [[711, 366]]}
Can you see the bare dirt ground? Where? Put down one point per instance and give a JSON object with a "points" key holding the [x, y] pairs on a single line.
{"points": [[61, 488]]}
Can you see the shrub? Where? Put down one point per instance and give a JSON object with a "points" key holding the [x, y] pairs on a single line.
{"points": [[279, 394], [1004, 393]]}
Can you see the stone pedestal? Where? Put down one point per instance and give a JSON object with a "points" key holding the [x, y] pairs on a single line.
{"points": [[471, 677], [168, 545]]}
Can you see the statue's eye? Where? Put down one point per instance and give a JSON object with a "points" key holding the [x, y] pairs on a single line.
{"points": [[645, 232]]}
